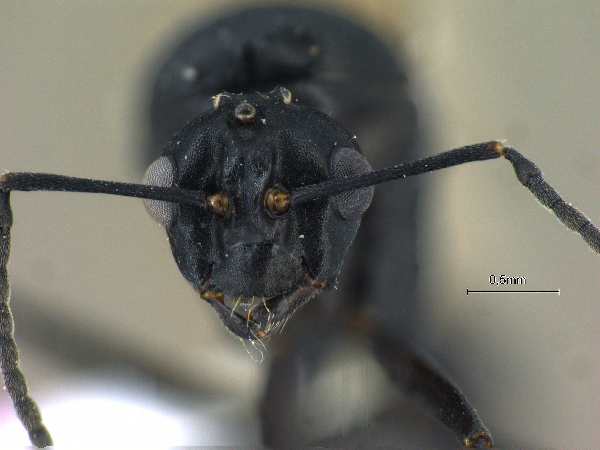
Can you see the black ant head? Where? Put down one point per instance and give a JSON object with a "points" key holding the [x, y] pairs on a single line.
{"points": [[251, 253]]}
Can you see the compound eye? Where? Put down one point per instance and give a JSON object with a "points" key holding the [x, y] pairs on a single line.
{"points": [[219, 204], [277, 201], [160, 173], [346, 163]]}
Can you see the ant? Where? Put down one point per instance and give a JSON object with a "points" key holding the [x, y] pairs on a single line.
{"points": [[262, 191]]}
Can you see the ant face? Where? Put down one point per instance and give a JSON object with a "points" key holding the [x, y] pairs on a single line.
{"points": [[251, 253]]}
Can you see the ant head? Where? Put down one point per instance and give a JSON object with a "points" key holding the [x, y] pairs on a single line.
{"points": [[251, 253]]}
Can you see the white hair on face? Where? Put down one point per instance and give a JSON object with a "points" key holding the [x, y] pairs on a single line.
{"points": [[160, 173]]}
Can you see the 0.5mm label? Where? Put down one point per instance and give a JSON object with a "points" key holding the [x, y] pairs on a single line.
{"points": [[504, 282], [501, 280]]}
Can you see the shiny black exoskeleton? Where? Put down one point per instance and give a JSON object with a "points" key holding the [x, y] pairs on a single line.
{"points": [[329, 76], [257, 266], [264, 101]]}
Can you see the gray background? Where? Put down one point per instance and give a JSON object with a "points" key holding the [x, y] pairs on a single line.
{"points": [[97, 269]]}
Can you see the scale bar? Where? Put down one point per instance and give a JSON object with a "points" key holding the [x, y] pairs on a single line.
{"points": [[504, 291]]}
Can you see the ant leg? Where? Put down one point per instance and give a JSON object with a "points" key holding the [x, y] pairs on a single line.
{"points": [[14, 380], [279, 403], [427, 384], [295, 358]]}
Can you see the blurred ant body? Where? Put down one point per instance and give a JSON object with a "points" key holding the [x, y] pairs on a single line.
{"points": [[262, 189]]}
